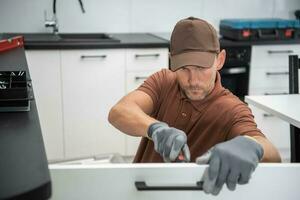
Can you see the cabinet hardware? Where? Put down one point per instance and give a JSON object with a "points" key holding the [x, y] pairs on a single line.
{"points": [[147, 55], [276, 73], [137, 78], [280, 51], [275, 93], [268, 115], [142, 186], [92, 56]]}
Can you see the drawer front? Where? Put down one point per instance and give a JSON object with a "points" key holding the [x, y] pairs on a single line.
{"points": [[275, 129], [269, 77], [135, 79], [269, 91], [272, 55], [95, 58], [146, 59]]}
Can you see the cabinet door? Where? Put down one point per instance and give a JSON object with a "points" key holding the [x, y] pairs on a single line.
{"points": [[93, 81], [276, 130], [44, 67]]}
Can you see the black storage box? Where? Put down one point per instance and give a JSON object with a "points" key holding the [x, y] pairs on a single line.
{"points": [[14, 92]]}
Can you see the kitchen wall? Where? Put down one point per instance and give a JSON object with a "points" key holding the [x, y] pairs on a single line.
{"points": [[133, 15]]}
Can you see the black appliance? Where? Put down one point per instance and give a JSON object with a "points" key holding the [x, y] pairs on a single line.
{"points": [[235, 72]]}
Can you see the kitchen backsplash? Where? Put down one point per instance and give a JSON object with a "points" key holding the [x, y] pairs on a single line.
{"points": [[133, 15]]}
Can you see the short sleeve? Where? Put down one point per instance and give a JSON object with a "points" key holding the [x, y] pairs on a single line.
{"points": [[243, 123]]}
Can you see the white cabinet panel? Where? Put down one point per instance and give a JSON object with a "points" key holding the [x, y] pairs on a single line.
{"points": [[140, 64], [269, 91], [269, 78], [44, 67], [117, 181], [135, 79], [146, 59], [273, 56], [276, 130], [93, 81]]}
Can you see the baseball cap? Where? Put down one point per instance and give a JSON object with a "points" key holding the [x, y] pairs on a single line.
{"points": [[193, 42]]}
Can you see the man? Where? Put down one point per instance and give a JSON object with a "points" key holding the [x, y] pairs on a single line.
{"points": [[185, 113]]}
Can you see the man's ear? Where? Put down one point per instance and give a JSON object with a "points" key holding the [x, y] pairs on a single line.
{"points": [[221, 59]]}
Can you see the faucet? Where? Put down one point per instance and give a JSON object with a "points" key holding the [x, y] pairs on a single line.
{"points": [[51, 22]]}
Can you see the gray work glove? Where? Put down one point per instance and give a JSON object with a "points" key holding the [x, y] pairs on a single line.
{"points": [[232, 162], [169, 141]]}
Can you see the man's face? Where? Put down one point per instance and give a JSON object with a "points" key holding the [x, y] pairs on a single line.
{"points": [[197, 82]]}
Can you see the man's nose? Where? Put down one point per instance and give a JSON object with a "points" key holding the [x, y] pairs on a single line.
{"points": [[193, 77]]}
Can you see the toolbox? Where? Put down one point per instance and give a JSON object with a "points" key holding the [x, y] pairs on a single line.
{"points": [[260, 29], [15, 86], [14, 91]]}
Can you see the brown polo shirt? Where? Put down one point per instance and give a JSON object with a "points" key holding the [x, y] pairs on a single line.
{"points": [[219, 117]]}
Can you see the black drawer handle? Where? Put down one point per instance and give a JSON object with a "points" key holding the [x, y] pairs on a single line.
{"points": [[93, 56], [137, 78], [276, 73], [275, 93], [280, 51], [267, 115], [142, 186], [147, 55]]}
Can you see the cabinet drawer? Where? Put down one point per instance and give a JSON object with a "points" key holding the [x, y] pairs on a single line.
{"points": [[146, 59], [269, 77], [276, 130], [91, 58], [269, 91], [272, 55], [135, 79]]}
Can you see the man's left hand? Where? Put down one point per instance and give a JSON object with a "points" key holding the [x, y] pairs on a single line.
{"points": [[232, 162]]}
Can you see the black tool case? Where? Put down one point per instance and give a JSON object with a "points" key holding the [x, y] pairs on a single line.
{"points": [[14, 91], [260, 29]]}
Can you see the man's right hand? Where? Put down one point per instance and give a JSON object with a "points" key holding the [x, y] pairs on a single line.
{"points": [[169, 141]]}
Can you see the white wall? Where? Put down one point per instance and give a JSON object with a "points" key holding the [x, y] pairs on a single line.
{"points": [[133, 15]]}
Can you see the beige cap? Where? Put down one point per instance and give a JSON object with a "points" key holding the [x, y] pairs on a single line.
{"points": [[193, 42]]}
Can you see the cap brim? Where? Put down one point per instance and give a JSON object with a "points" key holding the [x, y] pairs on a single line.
{"points": [[201, 59]]}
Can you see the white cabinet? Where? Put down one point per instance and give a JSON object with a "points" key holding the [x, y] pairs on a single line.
{"points": [[75, 90], [120, 181], [140, 64], [269, 75], [44, 67], [93, 81]]}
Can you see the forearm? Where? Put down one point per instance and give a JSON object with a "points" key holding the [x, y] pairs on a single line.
{"points": [[130, 119], [270, 152]]}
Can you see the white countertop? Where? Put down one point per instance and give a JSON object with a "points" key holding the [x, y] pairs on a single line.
{"points": [[286, 107]]}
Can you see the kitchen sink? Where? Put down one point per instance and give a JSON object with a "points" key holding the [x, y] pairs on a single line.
{"points": [[87, 37], [63, 37]]}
